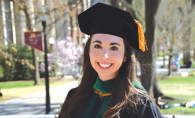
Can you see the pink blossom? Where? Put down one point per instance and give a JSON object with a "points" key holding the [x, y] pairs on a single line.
{"points": [[66, 53]]}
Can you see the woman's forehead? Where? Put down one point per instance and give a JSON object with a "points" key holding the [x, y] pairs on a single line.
{"points": [[106, 38]]}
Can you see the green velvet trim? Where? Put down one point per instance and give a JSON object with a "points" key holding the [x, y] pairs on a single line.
{"points": [[103, 86], [136, 84], [104, 106], [91, 105]]}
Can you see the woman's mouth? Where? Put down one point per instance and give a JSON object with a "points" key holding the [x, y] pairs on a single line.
{"points": [[104, 65]]}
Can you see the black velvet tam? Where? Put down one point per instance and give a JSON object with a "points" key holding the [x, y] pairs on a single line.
{"points": [[102, 18]]}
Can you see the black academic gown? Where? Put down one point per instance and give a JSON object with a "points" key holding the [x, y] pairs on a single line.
{"points": [[147, 110]]}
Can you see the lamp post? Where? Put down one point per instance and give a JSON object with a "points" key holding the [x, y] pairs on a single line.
{"points": [[43, 18]]}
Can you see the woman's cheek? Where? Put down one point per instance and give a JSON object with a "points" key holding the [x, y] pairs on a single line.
{"points": [[118, 56], [94, 53]]}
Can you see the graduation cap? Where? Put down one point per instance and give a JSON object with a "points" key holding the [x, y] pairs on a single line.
{"points": [[102, 18]]}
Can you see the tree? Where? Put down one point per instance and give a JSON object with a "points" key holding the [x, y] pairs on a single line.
{"points": [[1, 24], [147, 59], [148, 77], [174, 22], [61, 19], [65, 54], [115, 3], [19, 19], [187, 10], [8, 21]]}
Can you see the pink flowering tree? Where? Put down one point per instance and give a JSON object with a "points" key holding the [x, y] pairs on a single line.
{"points": [[66, 54]]}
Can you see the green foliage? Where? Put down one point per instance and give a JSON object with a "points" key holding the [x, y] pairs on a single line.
{"points": [[22, 71], [13, 63]]}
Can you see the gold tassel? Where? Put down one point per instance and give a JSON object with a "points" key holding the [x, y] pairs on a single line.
{"points": [[142, 40]]}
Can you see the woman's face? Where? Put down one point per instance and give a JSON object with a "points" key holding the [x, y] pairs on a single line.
{"points": [[106, 55]]}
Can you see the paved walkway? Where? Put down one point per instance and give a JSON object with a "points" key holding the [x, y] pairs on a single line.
{"points": [[34, 104]]}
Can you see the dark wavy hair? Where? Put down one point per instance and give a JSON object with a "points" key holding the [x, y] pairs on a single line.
{"points": [[122, 90]]}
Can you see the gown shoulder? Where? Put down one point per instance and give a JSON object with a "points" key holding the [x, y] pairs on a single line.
{"points": [[145, 107], [71, 93]]}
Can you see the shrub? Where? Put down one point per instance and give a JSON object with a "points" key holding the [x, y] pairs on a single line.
{"points": [[16, 63]]}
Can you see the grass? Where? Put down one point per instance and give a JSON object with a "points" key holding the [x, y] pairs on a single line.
{"points": [[178, 110], [193, 64], [1, 71], [160, 55], [183, 90], [16, 84]]}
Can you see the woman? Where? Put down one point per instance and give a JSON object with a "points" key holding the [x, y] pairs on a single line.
{"points": [[107, 88]]}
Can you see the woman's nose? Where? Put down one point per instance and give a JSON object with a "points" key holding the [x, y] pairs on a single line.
{"points": [[105, 55]]}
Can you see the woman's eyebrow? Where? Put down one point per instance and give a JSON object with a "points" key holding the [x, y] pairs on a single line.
{"points": [[114, 44], [98, 42]]}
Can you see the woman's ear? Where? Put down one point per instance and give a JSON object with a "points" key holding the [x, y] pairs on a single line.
{"points": [[124, 59]]}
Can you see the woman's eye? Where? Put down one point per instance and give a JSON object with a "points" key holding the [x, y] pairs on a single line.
{"points": [[97, 46], [114, 48]]}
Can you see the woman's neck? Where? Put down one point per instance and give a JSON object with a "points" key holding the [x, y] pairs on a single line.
{"points": [[103, 86], [106, 78]]}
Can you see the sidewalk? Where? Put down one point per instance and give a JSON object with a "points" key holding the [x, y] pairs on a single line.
{"points": [[34, 104]]}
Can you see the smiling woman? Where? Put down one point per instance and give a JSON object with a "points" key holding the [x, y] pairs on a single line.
{"points": [[108, 88]]}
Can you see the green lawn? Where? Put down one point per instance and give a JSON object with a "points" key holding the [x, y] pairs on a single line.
{"points": [[183, 90], [17, 84], [1, 71], [193, 64]]}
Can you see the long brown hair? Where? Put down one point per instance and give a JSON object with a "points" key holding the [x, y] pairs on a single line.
{"points": [[121, 90]]}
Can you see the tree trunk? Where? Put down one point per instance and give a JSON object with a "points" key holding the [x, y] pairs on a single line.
{"points": [[37, 80], [61, 23], [131, 11], [169, 66], [8, 22], [158, 50], [115, 3], [77, 25], [163, 56], [156, 89], [34, 55], [193, 2], [28, 19], [186, 57], [148, 58], [87, 4], [82, 5], [71, 24], [19, 19], [129, 1], [2, 40]]}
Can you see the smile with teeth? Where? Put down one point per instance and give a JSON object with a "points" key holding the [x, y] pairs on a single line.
{"points": [[105, 65]]}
